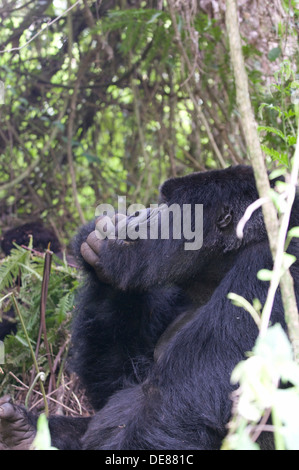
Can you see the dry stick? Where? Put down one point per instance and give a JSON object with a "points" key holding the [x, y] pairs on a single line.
{"points": [[142, 140], [172, 142], [43, 301], [39, 393], [260, 171], [32, 354]]}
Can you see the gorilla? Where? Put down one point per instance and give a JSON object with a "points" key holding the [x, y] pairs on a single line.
{"points": [[42, 237], [155, 338], [20, 235]]}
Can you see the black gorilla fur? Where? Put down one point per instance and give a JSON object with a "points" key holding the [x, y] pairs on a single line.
{"points": [[42, 236], [181, 399]]}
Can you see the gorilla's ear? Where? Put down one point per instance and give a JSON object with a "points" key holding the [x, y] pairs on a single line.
{"points": [[225, 218]]}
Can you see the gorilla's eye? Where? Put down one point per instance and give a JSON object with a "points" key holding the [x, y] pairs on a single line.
{"points": [[225, 218]]}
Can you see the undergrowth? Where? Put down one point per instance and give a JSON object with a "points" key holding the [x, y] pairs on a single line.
{"points": [[21, 276]]}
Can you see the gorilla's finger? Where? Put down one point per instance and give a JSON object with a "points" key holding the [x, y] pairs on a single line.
{"points": [[89, 254], [104, 228], [7, 411], [5, 399], [95, 241], [93, 260]]}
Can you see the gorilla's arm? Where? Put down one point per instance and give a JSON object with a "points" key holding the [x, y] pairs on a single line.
{"points": [[18, 428], [115, 331]]}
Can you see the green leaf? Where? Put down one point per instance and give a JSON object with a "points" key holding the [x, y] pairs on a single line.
{"points": [[277, 173], [288, 401], [279, 202], [31, 270], [291, 140], [64, 306], [274, 54], [288, 260], [264, 275], [275, 155], [269, 106], [273, 130], [154, 17], [9, 269], [243, 442], [22, 341], [42, 440], [91, 158], [274, 346], [294, 232], [239, 301], [60, 125]]}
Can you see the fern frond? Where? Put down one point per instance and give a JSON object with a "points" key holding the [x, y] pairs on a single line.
{"points": [[10, 267], [275, 155], [121, 18], [65, 305], [272, 130]]}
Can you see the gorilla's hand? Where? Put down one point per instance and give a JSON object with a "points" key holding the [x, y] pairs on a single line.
{"points": [[16, 430], [132, 252], [90, 251], [108, 233]]}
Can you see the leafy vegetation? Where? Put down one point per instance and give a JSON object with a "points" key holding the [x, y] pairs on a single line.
{"points": [[134, 122], [63, 281], [110, 99]]}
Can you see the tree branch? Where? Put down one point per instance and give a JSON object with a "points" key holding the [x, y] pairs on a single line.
{"points": [[36, 161], [275, 232], [28, 21], [72, 115], [191, 70]]}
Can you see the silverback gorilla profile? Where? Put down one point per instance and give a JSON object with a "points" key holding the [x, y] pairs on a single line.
{"points": [[155, 338]]}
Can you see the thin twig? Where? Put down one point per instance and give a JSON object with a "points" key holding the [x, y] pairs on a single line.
{"points": [[43, 301], [32, 353], [49, 395], [41, 30], [248, 213], [291, 314]]}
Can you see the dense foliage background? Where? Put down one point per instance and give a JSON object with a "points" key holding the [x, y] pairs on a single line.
{"points": [[115, 96], [109, 98]]}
